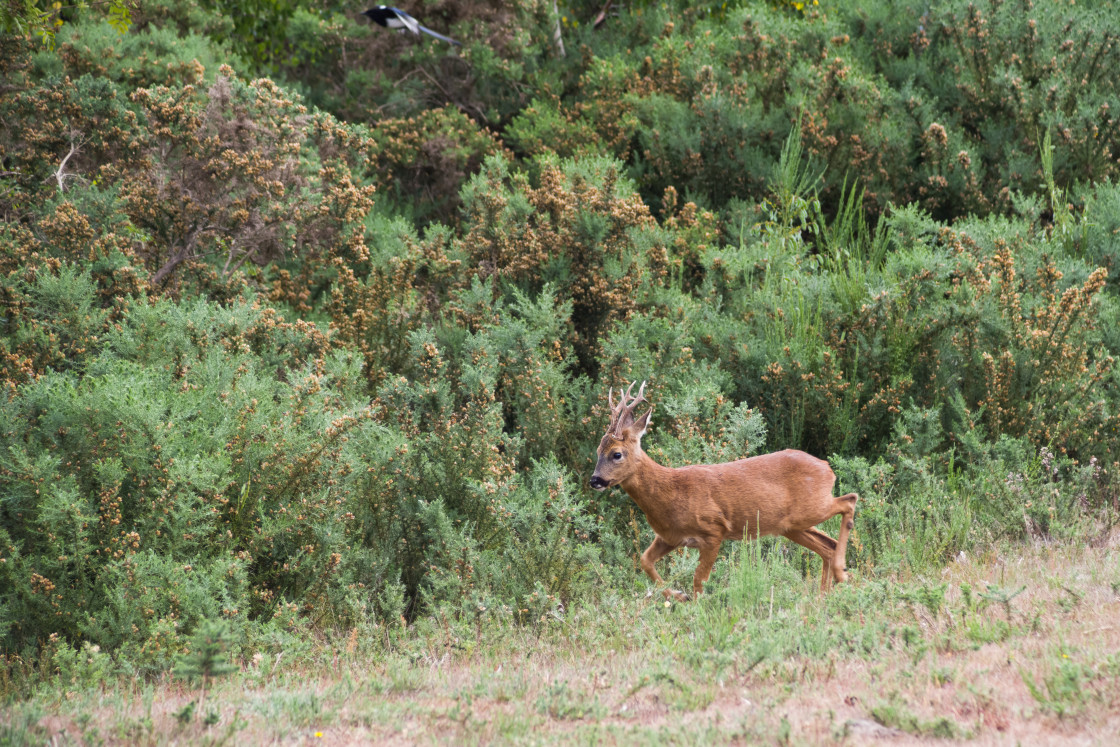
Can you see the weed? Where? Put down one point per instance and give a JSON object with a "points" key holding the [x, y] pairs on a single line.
{"points": [[1065, 684], [1003, 597], [897, 715], [560, 701], [185, 715], [942, 676]]}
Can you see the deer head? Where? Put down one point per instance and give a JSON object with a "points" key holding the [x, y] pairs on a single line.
{"points": [[620, 450]]}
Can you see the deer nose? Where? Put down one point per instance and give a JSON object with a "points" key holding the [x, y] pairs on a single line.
{"points": [[598, 483]]}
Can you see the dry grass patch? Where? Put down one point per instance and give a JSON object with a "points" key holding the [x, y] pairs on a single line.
{"points": [[1010, 648]]}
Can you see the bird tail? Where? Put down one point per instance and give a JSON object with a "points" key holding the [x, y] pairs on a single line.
{"points": [[441, 37]]}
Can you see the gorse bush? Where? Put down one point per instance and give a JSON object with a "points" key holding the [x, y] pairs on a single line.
{"points": [[578, 230], [706, 106], [138, 470], [326, 353], [151, 56], [201, 463]]}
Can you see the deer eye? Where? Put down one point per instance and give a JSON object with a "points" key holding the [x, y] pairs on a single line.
{"points": [[617, 456]]}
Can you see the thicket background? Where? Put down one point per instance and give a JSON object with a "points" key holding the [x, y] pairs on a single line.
{"points": [[307, 326]]}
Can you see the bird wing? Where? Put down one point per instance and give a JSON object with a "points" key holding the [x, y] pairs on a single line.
{"points": [[406, 22]]}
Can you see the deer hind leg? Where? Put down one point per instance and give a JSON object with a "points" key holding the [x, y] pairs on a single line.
{"points": [[847, 506], [822, 545]]}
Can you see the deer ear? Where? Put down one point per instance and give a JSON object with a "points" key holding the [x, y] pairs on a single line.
{"points": [[642, 423]]}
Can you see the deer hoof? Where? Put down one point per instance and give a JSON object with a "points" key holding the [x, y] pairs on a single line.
{"points": [[680, 596]]}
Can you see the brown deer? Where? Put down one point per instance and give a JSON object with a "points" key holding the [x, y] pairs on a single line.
{"points": [[787, 493]]}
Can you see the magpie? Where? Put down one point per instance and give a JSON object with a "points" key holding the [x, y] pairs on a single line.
{"points": [[393, 18]]}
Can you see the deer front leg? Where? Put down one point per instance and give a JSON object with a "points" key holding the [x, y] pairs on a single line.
{"points": [[658, 549], [708, 554]]}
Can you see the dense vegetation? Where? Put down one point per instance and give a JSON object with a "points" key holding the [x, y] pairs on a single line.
{"points": [[313, 335]]}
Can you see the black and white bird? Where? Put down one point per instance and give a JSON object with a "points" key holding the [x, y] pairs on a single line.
{"points": [[394, 18]]}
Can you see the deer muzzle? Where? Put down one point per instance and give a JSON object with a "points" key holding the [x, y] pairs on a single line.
{"points": [[599, 483]]}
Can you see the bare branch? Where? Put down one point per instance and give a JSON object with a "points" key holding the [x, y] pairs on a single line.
{"points": [[184, 253], [602, 17], [60, 175], [169, 266], [557, 34]]}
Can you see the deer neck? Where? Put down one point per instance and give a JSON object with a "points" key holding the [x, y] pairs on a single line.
{"points": [[649, 485]]}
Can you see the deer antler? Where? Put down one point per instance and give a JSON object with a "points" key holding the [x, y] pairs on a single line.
{"points": [[616, 412], [629, 407], [641, 395], [622, 414]]}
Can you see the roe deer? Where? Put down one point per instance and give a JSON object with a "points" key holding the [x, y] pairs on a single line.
{"points": [[786, 493]]}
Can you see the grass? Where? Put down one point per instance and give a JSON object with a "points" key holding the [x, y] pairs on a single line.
{"points": [[1019, 646]]}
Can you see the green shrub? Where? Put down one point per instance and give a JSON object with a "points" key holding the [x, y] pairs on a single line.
{"points": [[421, 162], [537, 559], [171, 476], [145, 57], [1029, 67], [577, 231]]}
